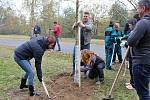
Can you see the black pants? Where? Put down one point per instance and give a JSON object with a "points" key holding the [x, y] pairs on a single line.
{"points": [[97, 71]]}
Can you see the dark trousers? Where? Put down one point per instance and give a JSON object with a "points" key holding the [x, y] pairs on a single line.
{"points": [[97, 71], [141, 77], [118, 52], [131, 74]]}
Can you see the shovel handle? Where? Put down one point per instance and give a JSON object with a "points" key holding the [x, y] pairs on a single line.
{"points": [[46, 91]]}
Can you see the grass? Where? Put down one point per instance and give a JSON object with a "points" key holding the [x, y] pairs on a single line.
{"points": [[68, 40], [53, 64]]}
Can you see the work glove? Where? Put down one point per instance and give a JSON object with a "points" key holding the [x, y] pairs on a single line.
{"points": [[123, 43], [40, 79]]}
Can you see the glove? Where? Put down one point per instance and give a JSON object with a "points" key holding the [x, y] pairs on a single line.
{"points": [[123, 43], [40, 79]]}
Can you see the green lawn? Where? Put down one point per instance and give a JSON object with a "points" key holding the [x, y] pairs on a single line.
{"points": [[53, 64]]}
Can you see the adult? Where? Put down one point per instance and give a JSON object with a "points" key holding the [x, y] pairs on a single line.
{"points": [[57, 32], [36, 30], [34, 48], [139, 40], [108, 45], [116, 35]]}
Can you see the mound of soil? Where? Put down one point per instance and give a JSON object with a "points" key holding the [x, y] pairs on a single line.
{"points": [[61, 87]]}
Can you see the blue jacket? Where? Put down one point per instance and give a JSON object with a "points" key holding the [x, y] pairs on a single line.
{"points": [[37, 29]]}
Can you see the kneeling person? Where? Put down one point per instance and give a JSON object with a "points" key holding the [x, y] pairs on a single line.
{"points": [[94, 66]]}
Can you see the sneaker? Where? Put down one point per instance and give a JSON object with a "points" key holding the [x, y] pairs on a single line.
{"points": [[129, 87], [127, 83], [99, 82]]}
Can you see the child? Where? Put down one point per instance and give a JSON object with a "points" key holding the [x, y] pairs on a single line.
{"points": [[94, 65]]}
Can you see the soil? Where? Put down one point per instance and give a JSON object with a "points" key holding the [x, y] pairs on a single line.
{"points": [[61, 87]]}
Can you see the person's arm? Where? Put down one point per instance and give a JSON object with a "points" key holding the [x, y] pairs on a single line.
{"points": [[38, 60], [88, 26], [136, 35]]}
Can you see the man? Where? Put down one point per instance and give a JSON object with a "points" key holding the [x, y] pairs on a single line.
{"points": [[86, 33], [116, 35], [108, 45], [36, 30], [57, 32], [139, 40], [34, 48]]}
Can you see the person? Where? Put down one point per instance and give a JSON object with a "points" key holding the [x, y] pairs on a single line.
{"points": [[57, 32], [94, 64], [139, 40], [34, 48], [116, 35], [36, 30], [132, 22], [85, 35], [108, 45]]}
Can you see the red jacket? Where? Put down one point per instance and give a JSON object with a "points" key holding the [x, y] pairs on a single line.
{"points": [[56, 30]]}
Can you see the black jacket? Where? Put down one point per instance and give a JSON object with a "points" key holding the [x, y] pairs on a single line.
{"points": [[139, 40], [34, 48]]}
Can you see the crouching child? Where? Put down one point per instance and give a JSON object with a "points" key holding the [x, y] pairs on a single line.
{"points": [[94, 66]]}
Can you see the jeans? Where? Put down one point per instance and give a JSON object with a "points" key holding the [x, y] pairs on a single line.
{"points": [[26, 66], [141, 76], [58, 44]]}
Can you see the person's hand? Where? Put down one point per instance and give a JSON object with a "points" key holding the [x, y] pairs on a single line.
{"points": [[40, 79], [81, 24]]}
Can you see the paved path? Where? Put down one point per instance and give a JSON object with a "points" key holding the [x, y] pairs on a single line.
{"points": [[66, 47]]}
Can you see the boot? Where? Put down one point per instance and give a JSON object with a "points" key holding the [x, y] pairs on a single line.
{"points": [[31, 91], [23, 84]]}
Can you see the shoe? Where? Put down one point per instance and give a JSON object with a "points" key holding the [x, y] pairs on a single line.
{"points": [[32, 92], [129, 86], [23, 84], [108, 68], [127, 83], [99, 82]]}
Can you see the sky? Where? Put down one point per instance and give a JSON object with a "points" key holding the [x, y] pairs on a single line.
{"points": [[18, 4]]}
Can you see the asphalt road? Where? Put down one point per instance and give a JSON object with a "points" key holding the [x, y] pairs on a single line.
{"points": [[66, 47]]}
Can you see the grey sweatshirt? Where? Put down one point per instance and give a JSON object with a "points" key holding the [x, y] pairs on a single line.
{"points": [[139, 40]]}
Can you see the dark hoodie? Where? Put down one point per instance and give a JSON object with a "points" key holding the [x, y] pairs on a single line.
{"points": [[34, 48], [139, 40]]}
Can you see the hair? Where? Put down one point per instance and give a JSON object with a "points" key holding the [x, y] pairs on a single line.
{"points": [[145, 3], [55, 22], [51, 39], [111, 24], [132, 21], [86, 12], [86, 56]]}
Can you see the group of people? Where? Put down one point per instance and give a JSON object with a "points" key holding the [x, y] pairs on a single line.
{"points": [[138, 39], [56, 30], [112, 44]]}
